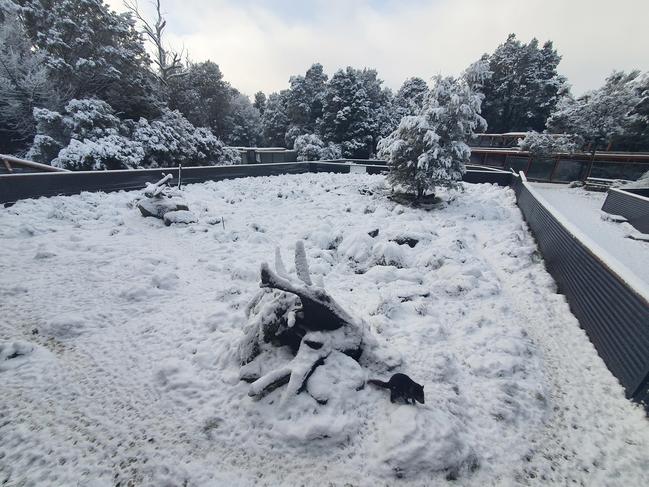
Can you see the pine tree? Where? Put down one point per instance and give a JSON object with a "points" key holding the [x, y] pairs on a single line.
{"points": [[244, 127], [25, 83], [600, 116], [524, 87], [349, 118], [410, 98], [93, 52], [431, 149], [260, 102], [304, 99], [275, 121], [202, 96]]}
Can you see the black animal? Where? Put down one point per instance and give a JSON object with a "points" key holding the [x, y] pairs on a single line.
{"points": [[402, 387]]}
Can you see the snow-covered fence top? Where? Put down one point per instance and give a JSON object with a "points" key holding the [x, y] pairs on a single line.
{"points": [[611, 306], [15, 187]]}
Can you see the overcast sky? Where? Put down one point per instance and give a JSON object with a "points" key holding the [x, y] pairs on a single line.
{"points": [[260, 44]]}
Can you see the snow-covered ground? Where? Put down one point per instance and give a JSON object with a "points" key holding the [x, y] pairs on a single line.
{"points": [[583, 209], [118, 341]]}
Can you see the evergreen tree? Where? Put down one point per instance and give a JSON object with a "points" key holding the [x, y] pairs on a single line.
{"points": [[244, 126], [25, 84], [602, 116], [203, 97], [260, 102], [275, 121], [409, 100], [431, 149], [93, 52], [304, 100], [524, 87], [356, 112]]}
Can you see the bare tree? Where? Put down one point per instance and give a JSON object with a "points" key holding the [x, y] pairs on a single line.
{"points": [[168, 61]]}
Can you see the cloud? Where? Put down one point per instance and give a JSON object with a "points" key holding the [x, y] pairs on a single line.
{"points": [[260, 44]]}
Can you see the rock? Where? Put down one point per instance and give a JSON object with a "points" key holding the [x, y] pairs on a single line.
{"points": [[374, 233], [180, 216], [158, 207], [409, 241]]}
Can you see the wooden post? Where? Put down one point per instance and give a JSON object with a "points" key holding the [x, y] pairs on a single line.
{"points": [[556, 163]]}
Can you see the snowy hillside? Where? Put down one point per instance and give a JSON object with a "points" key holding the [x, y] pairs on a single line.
{"points": [[118, 341]]}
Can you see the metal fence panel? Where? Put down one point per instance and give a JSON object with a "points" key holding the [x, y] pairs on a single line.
{"points": [[633, 207], [614, 315]]}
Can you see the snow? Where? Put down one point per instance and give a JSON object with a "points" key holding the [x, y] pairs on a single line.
{"points": [[126, 368], [581, 208]]}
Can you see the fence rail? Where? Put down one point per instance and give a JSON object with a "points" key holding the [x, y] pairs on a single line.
{"points": [[612, 310], [565, 167], [15, 187]]}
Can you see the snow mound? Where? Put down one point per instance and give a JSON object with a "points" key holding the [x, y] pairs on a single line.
{"points": [[179, 217], [65, 327], [339, 376], [420, 441], [14, 354]]}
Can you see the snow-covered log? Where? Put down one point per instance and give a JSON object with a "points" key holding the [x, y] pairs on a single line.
{"points": [[297, 314]]}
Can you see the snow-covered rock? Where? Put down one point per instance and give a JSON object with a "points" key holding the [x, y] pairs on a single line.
{"points": [[179, 216]]}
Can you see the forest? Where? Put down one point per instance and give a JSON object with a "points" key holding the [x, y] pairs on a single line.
{"points": [[84, 87]]}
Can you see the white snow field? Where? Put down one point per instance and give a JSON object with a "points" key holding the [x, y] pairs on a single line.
{"points": [[584, 210], [118, 345]]}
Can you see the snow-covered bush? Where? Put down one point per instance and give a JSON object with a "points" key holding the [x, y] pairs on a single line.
{"points": [[543, 145], [431, 149], [89, 136], [110, 152], [310, 147], [641, 182], [171, 140]]}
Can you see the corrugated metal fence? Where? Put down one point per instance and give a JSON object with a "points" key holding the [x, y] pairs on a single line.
{"points": [[614, 315], [631, 205]]}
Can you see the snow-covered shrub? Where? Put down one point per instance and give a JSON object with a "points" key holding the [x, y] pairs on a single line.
{"points": [[431, 149], [110, 152], [641, 182], [543, 145], [291, 136], [89, 136], [310, 147], [171, 140]]}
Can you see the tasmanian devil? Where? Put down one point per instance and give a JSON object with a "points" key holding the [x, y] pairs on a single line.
{"points": [[402, 387]]}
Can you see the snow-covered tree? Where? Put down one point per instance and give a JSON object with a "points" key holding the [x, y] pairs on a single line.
{"points": [[244, 126], [637, 137], [409, 100], [544, 145], [602, 115], [304, 99], [348, 118], [25, 83], [524, 87], [310, 147], [202, 96], [431, 149], [274, 120], [93, 53], [260, 102]]}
